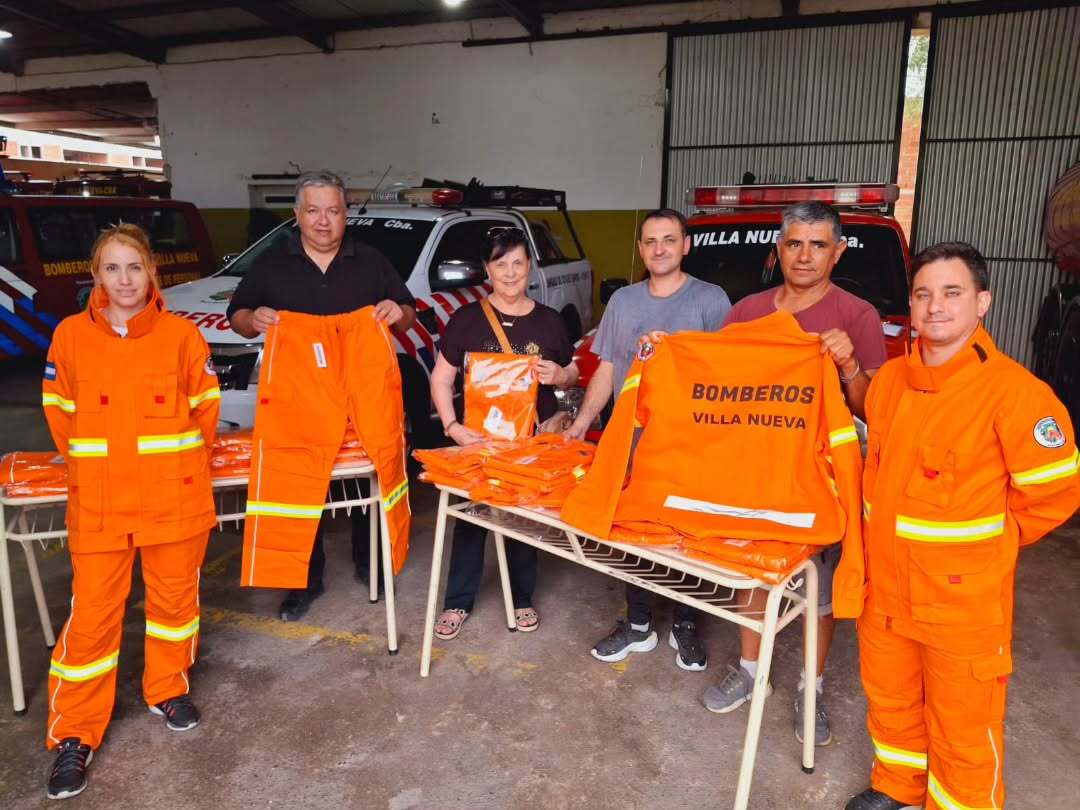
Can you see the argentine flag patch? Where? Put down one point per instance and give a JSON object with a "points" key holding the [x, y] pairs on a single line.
{"points": [[50, 371]]}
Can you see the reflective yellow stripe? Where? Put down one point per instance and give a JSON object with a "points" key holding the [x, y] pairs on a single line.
{"points": [[866, 508], [86, 672], [579, 473], [942, 797], [289, 510], [87, 448], [630, 382], [163, 631], [58, 401], [960, 531], [843, 436], [1049, 472], [898, 756], [170, 442], [199, 399], [396, 494]]}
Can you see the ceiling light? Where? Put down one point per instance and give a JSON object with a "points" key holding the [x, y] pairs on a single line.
{"points": [[5, 34], [452, 3]]}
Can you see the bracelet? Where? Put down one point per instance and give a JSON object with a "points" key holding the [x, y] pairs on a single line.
{"points": [[446, 429], [854, 374]]}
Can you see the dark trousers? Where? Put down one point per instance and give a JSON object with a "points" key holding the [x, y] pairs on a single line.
{"points": [[361, 553], [467, 567], [640, 604]]}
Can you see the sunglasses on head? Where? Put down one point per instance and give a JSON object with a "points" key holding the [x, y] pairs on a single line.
{"points": [[511, 230]]}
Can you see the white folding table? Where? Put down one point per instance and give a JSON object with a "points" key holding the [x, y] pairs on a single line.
{"points": [[30, 520], [709, 588]]}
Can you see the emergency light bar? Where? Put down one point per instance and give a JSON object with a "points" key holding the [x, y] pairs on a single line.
{"points": [[409, 196], [853, 195]]}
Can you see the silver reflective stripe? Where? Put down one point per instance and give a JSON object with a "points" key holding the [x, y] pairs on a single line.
{"points": [[170, 442], [800, 520], [57, 401], [85, 672], [289, 510], [181, 633]]}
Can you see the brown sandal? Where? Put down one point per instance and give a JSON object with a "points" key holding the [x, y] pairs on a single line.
{"points": [[450, 623], [526, 619]]}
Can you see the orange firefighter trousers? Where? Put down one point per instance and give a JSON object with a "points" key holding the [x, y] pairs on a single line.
{"points": [[937, 706], [316, 372], [82, 675]]}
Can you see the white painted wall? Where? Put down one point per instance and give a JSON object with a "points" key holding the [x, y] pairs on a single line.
{"points": [[576, 115], [581, 115]]}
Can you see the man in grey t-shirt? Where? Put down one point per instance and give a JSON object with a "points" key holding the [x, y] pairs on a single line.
{"points": [[668, 301]]}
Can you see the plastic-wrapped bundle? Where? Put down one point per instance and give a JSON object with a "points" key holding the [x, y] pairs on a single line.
{"points": [[768, 560], [24, 474], [500, 394]]}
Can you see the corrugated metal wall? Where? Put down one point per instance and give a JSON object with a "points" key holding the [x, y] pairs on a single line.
{"points": [[1001, 125], [784, 104]]}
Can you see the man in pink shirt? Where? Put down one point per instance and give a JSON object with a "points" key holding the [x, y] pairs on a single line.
{"points": [[808, 247]]}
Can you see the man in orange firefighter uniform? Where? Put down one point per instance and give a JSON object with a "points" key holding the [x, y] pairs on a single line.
{"points": [[131, 399], [970, 457]]}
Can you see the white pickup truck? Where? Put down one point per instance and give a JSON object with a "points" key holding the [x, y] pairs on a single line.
{"points": [[433, 237]]}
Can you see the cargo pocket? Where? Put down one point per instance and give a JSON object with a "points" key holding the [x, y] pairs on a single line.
{"points": [[292, 482], [933, 480], [994, 670], [90, 402], [158, 396], [958, 583]]}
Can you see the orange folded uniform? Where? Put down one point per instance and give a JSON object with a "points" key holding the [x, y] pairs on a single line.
{"points": [[458, 462], [500, 394], [767, 560], [33, 475]]}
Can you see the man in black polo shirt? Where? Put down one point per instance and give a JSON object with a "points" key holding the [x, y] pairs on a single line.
{"points": [[320, 271]]}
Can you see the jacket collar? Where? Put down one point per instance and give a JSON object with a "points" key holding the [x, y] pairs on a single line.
{"points": [[976, 351], [142, 324]]}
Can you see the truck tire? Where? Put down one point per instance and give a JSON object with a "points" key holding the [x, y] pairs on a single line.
{"points": [[573, 323], [1066, 370]]}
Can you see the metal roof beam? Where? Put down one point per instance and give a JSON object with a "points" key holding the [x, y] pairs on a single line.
{"points": [[524, 13], [64, 18], [287, 21]]}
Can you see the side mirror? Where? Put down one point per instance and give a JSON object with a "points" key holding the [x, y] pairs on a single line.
{"points": [[608, 287], [228, 259], [456, 273]]}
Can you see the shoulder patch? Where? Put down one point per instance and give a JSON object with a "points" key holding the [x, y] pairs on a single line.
{"points": [[1048, 433], [50, 371], [645, 350]]}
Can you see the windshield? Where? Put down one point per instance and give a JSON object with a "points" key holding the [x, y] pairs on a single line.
{"points": [[738, 258], [399, 240]]}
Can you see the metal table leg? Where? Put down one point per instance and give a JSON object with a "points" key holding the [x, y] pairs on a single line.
{"points": [[433, 584]]}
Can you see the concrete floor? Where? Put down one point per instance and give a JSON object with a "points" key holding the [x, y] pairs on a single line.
{"points": [[316, 714]]}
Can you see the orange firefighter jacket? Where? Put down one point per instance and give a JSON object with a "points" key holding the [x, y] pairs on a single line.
{"points": [[134, 418], [745, 435], [966, 462]]}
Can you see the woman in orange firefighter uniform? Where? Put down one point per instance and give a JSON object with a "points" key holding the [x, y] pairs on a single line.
{"points": [[132, 400], [970, 457]]}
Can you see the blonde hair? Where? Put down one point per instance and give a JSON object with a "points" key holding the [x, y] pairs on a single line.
{"points": [[126, 234]]}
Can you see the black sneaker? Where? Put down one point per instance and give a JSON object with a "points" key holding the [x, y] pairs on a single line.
{"points": [[179, 712], [68, 775], [622, 641], [871, 799], [691, 652], [298, 602]]}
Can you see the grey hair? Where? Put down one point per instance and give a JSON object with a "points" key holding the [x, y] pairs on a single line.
{"points": [[811, 213], [320, 179]]}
